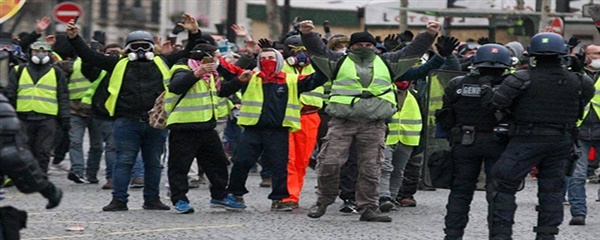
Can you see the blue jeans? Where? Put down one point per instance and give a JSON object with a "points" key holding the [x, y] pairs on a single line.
{"points": [[577, 180], [76, 133], [131, 136], [138, 167], [110, 154]]}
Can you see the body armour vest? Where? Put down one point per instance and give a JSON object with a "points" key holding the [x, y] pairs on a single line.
{"points": [[552, 97], [468, 109]]}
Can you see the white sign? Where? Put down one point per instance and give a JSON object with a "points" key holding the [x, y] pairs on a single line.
{"points": [[388, 13]]}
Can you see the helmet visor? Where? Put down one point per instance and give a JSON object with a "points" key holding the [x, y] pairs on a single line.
{"points": [[136, 46]]}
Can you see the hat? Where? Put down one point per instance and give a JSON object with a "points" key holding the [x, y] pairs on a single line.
{"points": [[205, 47], [206, 38], [362, 37]]}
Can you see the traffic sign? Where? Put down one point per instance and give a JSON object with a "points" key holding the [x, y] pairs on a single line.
{"points": [[66, 11]]}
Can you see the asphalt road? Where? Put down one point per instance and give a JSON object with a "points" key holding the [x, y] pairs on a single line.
{"points": [[82, 204]]}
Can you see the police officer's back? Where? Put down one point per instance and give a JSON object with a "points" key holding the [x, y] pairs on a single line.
{"points": [[545, 102]]}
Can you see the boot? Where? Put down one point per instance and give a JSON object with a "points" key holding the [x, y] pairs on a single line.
{"points": [[266, 183], [577, 220], [371, 214], [115, 205], [53, 194], [155, 204], [317, 210]]}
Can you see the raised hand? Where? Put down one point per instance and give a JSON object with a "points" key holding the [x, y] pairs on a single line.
{"points": [[573, 42], [445, 45], [433, 28], [166, 48], [189, 23], [306, 26], [42, 24], [265, 43], [50, 39], [72, 30], [406, 36], [245, 76], [483, 40], [239, 30], [392, 42], [252, 47]]}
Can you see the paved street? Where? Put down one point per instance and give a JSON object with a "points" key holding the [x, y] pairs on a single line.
{"points": [[82, 205]]}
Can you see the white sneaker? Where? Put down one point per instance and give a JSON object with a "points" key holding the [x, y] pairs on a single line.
{"points": [[60, 167]]}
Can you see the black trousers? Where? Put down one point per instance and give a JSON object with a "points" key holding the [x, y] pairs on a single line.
{"points": [[206, 147], [40, 136], [271, 145]]}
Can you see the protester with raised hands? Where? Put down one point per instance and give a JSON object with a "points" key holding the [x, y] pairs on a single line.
{"points": [[137, 79]]}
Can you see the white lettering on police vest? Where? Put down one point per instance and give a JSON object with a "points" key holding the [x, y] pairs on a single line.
{"points": [[470, 90]]}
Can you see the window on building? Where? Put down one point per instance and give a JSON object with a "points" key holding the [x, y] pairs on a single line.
{"points": [[155, 11], [121, 4], [137, 3], [104, 9]]}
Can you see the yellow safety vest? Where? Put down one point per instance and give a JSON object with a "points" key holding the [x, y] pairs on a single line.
{"points": [[40, 97], [313, 98], [436, 93], [116, 80], [406, 125], [253, 99], [346, 87], [89, 94], [595, 103], [78, 84]]}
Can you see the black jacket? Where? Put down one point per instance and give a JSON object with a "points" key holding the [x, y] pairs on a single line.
{"points": [[142, 81]]}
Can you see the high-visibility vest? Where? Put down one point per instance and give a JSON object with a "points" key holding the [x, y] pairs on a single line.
{"points": [[223, 104], [595, 103], [253, 99], [406, 124], [78, 83], [40, 97], [347, 89], [89, 94], [436, 94], [116, 80], [313, 98]]}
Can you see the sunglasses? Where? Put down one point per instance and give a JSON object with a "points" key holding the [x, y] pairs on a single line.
{"points": [[145, 46]]}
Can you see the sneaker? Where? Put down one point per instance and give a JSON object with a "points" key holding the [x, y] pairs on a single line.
{"points": [[92, 178], [229, 203], [385, 204], [193, 183], [108, 184], [115, 205], [266, 183], [137, 182], [59, 167], [239, 199], [183, 207], [372, 215], [396, 205], [76, 177], [349, 206], [407, 201], [280, 206], [295, 205], [155, 204], [577, 220], [317, 210]]}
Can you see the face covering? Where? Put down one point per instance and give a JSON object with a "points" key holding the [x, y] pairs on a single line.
{"points": [[363, 52], [595, 63], [268, 67], [40, 58], [341, 50]]}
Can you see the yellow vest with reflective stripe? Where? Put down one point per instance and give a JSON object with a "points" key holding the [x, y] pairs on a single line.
{"points": [[89, 94], [406, 125], [116, 80], [40, 97], [347, 89], [253, 99], [313, 98], [595, 103], [436, 93], [78, 84]]}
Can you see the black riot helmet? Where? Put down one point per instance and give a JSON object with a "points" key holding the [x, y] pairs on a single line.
{"points": [[294, 40], [492, 55], [547, 43], [139, 35]]}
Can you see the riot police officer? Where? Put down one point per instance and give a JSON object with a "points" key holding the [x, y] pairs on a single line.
{"points": [[472, 125], [545, 102], [19, 164]]}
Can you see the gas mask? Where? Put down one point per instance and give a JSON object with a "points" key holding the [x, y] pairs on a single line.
{"points": [[140, 51], [300, 59], [40, 58]]}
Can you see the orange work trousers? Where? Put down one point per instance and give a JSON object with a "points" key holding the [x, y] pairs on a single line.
{"points": [[302, 144]]}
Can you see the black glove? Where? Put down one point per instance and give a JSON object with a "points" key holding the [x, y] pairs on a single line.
{"points": [[445, 45], [392, 42], [576, 62], [406, 36], [65, 124], [573, 42], [378, 39], [265, 43], [483, 40], [177, 29], [326, 26]]}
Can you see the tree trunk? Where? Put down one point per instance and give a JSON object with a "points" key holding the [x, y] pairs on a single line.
{"points": [[273, 20], [403, 16]]}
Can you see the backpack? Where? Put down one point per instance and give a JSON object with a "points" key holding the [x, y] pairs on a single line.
{"points": [[157, 115]]}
